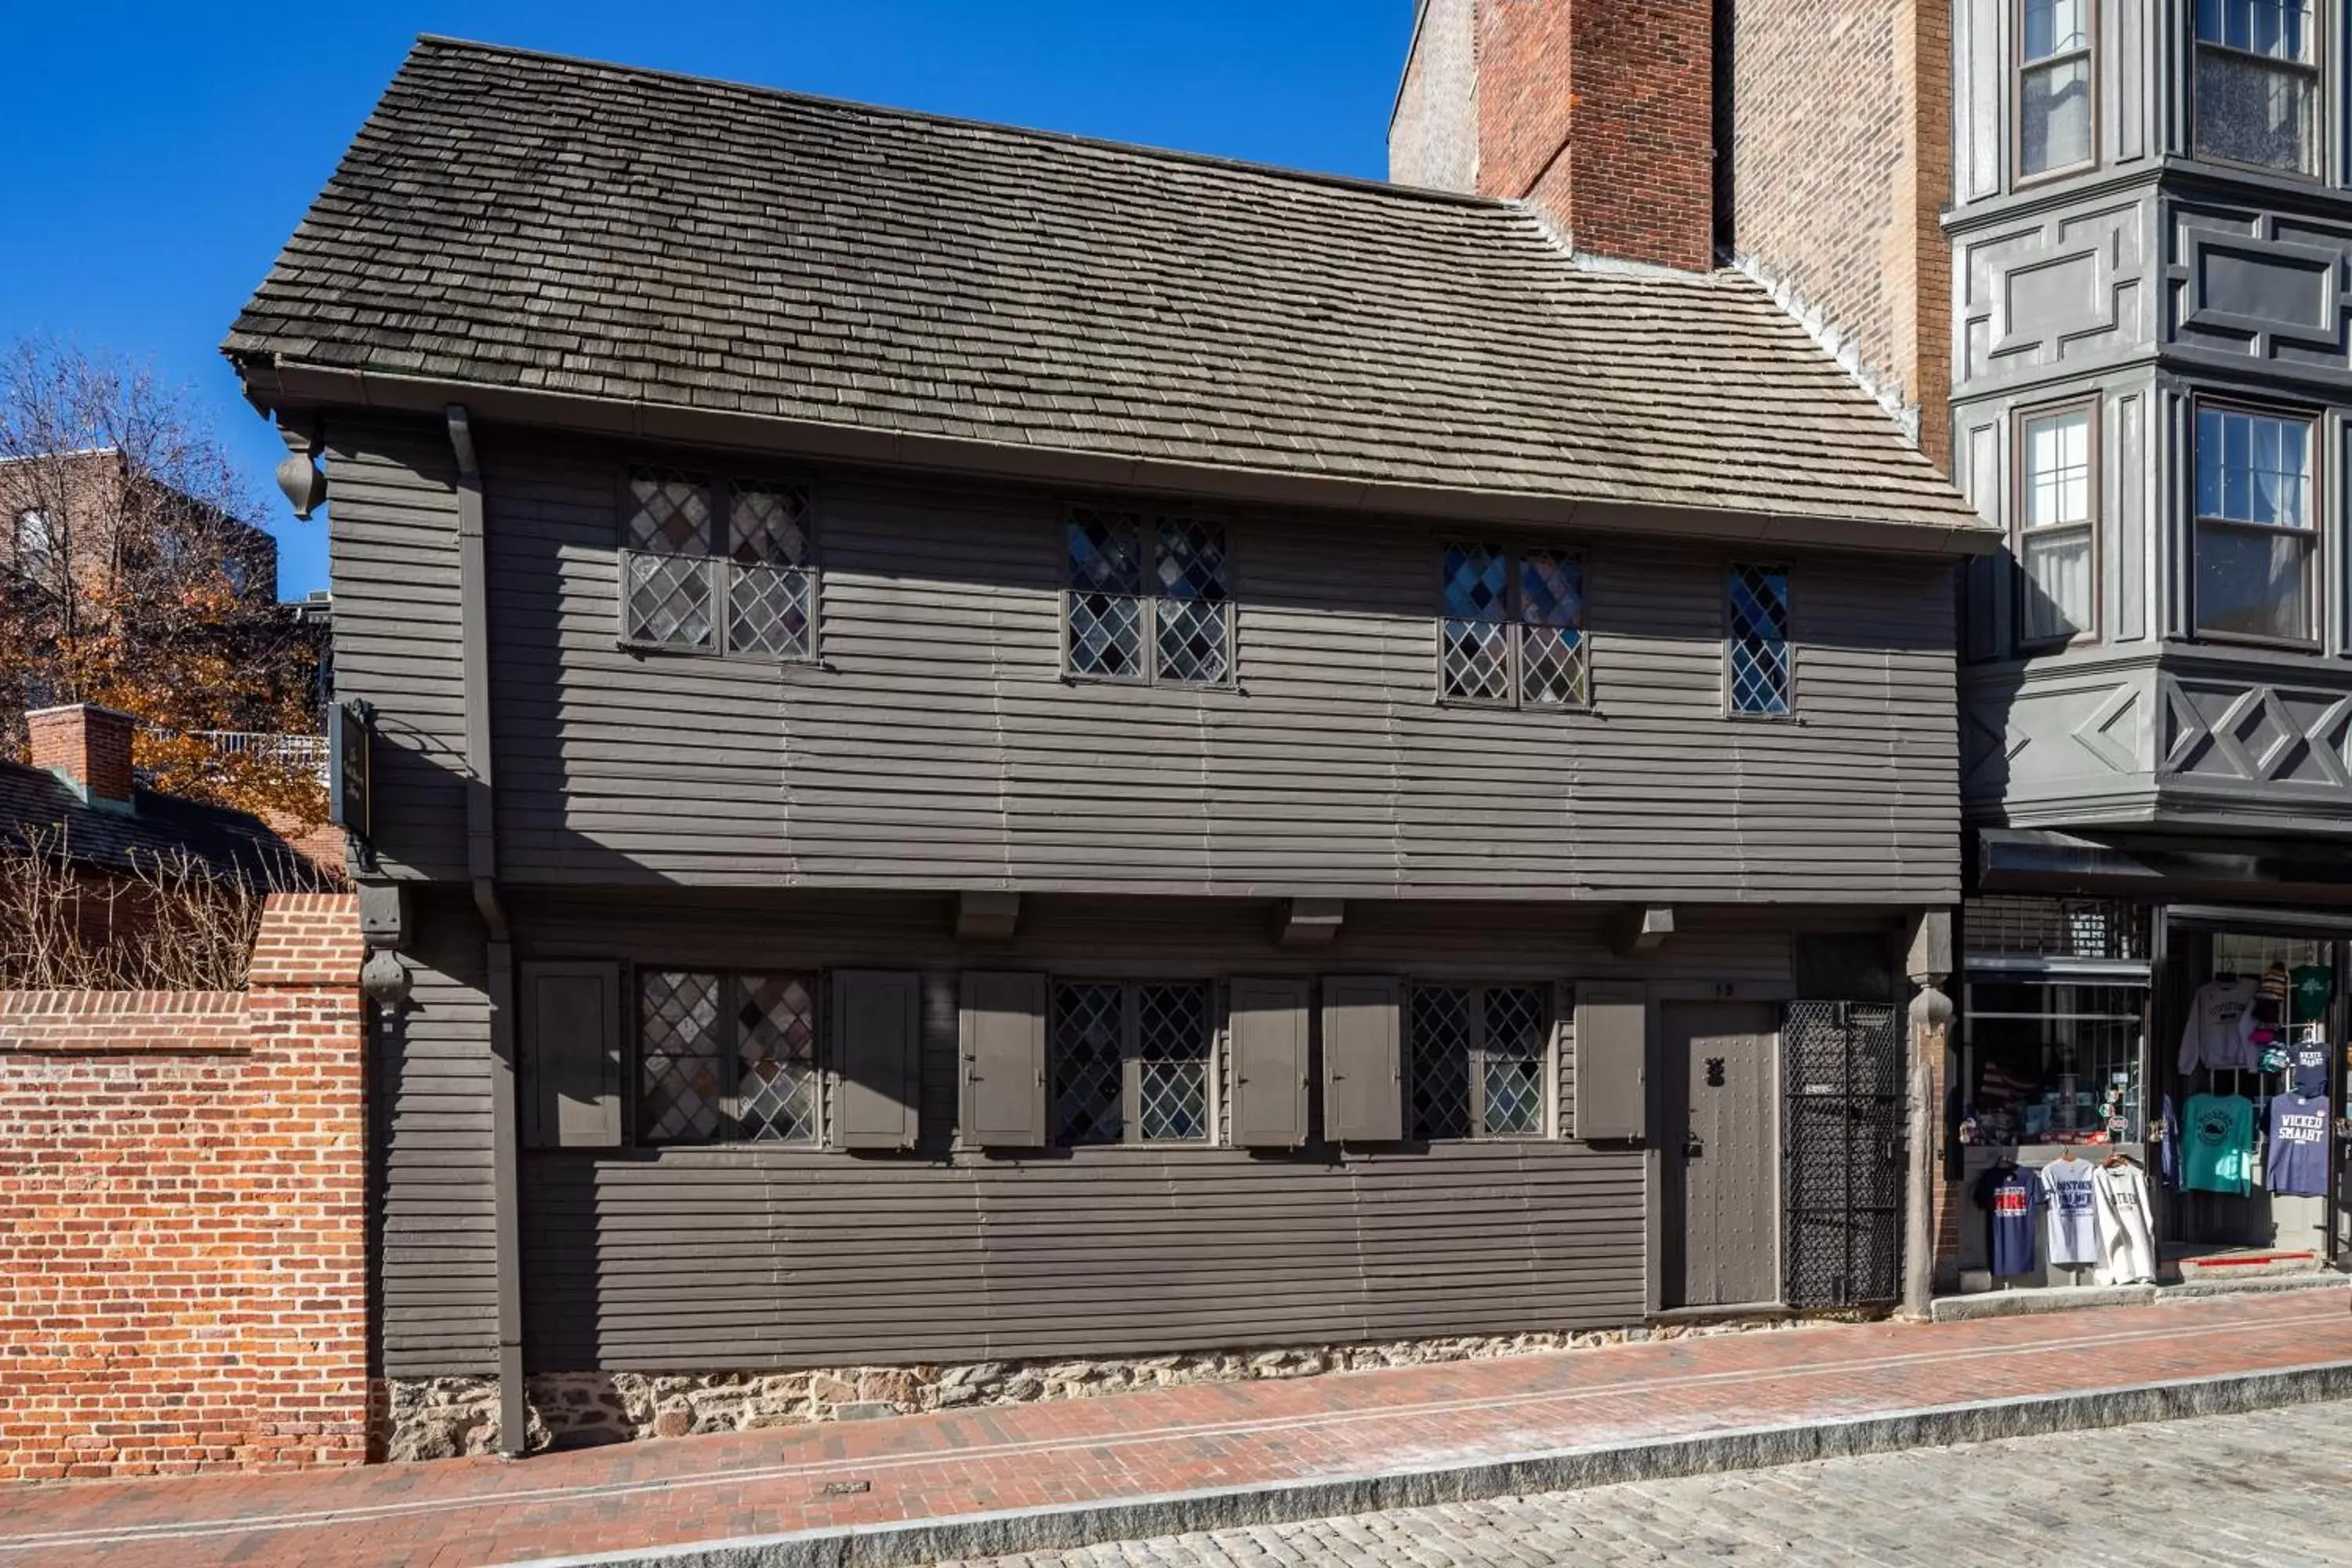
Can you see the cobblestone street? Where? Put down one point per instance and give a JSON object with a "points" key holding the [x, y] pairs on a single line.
{"points": [[2273, 1486]]}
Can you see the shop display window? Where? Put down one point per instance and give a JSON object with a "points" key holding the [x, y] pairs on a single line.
{"points": [[2054, 1014], [2055, 1061]]}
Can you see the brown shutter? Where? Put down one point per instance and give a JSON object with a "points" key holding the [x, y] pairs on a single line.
{"points": [[1363, 1059], [1003, 1050], [1269, 1033], [1613, 1059], [570, 1037], [878, 1020]]}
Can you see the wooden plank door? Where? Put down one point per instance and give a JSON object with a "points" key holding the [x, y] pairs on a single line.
{"points": [[1723, 1238]]}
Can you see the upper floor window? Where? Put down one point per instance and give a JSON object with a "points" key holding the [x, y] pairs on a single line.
{"points": [[1478, 1057], [1147, 600], [1130, 1063], [2056, 128], [724, 1058], [2257, 86], [1513, 637], [1762, 673], [2057, 547], [2255, 535], [717, 568]]}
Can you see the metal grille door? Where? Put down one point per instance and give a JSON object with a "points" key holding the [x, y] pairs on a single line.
{"points": [[1841, 1155]]}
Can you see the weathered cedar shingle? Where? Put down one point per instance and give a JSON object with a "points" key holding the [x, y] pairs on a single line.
{"points": [[513, 219]]}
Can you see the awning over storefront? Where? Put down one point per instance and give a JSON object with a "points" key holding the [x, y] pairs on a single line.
{"points": [[2032, 860]]}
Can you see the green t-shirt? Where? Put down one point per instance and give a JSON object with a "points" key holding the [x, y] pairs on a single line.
{"points": [[2217, 1140], [2314, 987]]}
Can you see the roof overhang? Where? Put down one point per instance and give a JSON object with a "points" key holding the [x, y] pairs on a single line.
{"points": [[291, 389]]}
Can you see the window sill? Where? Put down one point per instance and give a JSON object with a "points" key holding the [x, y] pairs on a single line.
{"points": [[679, 650], [2269, 645]]}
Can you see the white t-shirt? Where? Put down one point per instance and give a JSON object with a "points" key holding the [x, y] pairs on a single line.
{"points": [[2217, 1025], [2070, 1191], [2126, 1239]]}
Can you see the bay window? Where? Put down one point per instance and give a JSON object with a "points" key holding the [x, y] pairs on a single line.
{"points": [[2055, 97], [2256, 535], [2257, 84], [2057, 543]]}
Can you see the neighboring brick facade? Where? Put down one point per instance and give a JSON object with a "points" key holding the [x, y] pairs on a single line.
{"points": [[1598, 113], [1603, 115], [88, 744], [1433, 130], [1840, 166], [182, 1217]]}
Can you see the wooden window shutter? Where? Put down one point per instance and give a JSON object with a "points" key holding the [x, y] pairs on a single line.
{"points": [[1002, 1047], [1363, 1059], [878, 1023], [570, 1035], [1612, 1060], [1270, 1073]]}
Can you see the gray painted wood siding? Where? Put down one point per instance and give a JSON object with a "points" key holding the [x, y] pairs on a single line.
{"points": [[937, 744], [721, 1258], [392, 552], [432, 1175]]}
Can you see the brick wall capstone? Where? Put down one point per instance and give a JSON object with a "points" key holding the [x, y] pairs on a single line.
{"points": [[182, 1217]]}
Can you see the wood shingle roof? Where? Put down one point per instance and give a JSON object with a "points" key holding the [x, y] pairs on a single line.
{"points": [[531, 223]]}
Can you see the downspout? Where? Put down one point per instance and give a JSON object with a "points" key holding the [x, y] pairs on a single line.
{"points": [[482, 868]]}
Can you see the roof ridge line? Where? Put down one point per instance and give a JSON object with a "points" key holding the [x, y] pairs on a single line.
{"points": [[1843, 349], [994, 127]]}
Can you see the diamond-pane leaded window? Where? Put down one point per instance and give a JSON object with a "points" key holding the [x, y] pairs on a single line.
{"points": [[1762, 670], [1130, 1063], [687, 581], [1479, 1060], [669, 512], [681, 1057], [1512, 630], [1148, 599], [1551, 635], [1089, 1022], [1440, 1060], [1171, 1027], [726, 1057], [775, 1052]]}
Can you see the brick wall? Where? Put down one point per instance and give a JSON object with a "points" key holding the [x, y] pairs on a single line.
{"points": [[1434, 132], [1836, 194], [1603, 115], [182, 1232]]}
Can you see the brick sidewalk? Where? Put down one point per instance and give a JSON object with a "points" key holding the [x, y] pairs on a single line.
{"points": [[1205, 1438]]}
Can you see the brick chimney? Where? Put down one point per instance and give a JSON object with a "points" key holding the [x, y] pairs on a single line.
{"points": [[88, 747], [1601, 114]]}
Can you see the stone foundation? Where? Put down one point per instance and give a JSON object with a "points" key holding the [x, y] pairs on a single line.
{"points": [[444, 1418]]}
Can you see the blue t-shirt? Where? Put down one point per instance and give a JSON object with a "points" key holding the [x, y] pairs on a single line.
{"points": [[2217, 1145], [2298, 1159], [2008, 1195], [2309, 1063]]}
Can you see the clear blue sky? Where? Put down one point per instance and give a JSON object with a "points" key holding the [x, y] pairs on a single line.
{"points": [[159, 151]]}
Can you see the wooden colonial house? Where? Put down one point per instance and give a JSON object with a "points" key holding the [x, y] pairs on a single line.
{"points": [[992, 747]]}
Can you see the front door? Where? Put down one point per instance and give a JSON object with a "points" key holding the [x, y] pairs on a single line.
{"points": [[1722, 1244]]}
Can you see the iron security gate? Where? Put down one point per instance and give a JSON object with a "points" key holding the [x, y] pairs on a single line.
{"points": [[1841, 1155]]}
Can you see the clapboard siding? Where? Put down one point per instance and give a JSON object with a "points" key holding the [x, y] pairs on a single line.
{"points": [[434, 1183], [743, 1257], [937, 745], [392, 552]]}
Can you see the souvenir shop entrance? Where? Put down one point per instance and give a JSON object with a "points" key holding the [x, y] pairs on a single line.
{"points": [[2124, 1068]]}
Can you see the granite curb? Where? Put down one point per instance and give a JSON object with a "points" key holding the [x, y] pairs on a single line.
{"points": [[920, 1541]]}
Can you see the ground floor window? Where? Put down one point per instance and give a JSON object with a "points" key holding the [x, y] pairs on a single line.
{"points": [[726, 1058], [1130, 1062], [1477, 1060]]}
